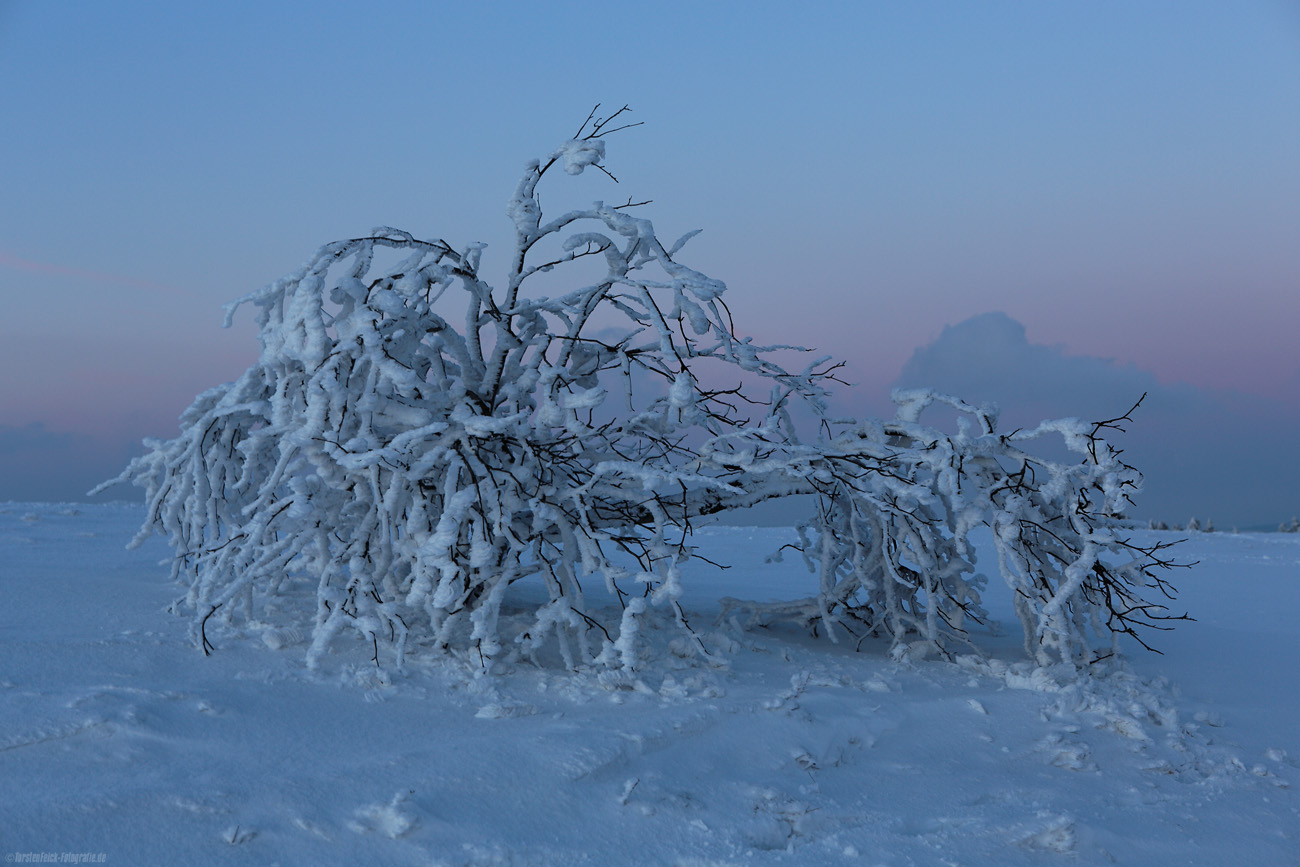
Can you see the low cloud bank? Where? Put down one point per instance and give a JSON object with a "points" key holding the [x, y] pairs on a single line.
{"points": [[1222, 455], [41, 465]]}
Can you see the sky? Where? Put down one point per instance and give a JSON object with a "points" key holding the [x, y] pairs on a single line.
{"points": [[1109, 191]]}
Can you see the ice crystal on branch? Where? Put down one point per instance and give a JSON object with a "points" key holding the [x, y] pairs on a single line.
{"points": [[417, 444]]}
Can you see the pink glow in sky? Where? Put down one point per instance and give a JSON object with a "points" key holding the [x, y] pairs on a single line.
{"points": [[1118, 177], [82, 276]]}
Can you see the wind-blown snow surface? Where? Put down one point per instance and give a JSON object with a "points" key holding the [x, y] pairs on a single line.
{"points": [[117, 737]]}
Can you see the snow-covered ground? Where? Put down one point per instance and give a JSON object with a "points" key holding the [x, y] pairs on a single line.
{"points": [[120, 742]]}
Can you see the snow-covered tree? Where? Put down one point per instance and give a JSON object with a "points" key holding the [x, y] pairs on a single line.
{"points": [[417, 443]]}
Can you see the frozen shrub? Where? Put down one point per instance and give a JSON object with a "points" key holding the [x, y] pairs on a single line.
{"points": [[417, 443]]}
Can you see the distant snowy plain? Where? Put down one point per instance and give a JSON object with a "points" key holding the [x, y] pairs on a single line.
{"points": [[119, 741]]}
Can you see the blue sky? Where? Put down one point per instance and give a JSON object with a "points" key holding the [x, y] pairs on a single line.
{"points": [[1118, 177]]}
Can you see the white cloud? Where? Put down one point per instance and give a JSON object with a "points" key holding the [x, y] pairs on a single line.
{"points": [[1223, 455]]}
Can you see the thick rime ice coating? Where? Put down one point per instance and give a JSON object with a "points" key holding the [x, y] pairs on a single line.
{"points": [[580, 153], [428, 451]]}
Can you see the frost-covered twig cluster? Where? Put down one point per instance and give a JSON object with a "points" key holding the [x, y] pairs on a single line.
{"points": [[419, 443], [897, 503]]}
